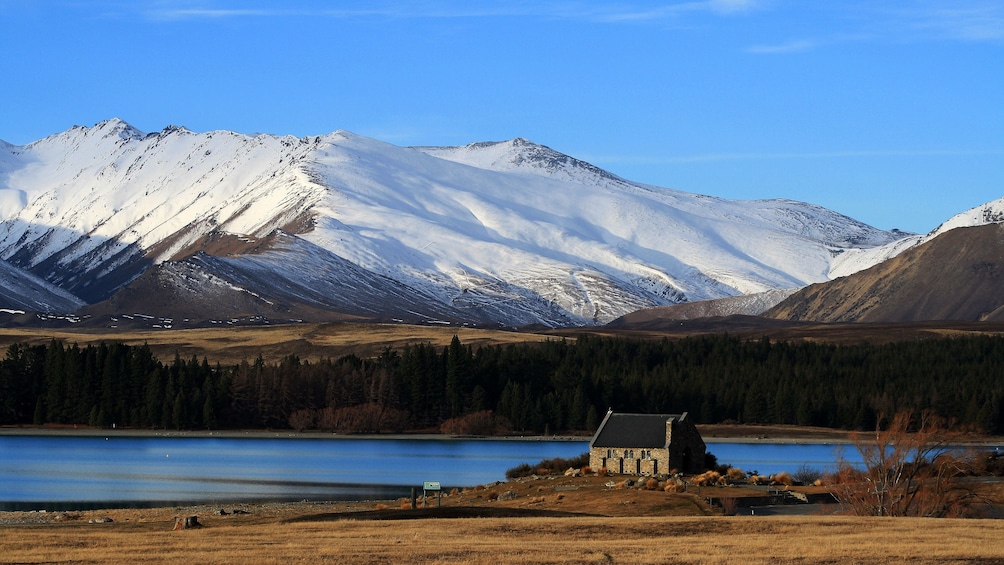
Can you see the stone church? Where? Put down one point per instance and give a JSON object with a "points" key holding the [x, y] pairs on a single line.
{"points": [[647, 444]]}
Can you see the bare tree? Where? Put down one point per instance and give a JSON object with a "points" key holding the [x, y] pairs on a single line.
{"points": [[913, 467]]}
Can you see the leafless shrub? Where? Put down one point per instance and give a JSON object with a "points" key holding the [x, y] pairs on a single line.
{"points": [[370, 417], [807, 475], [304, 419], [485, 422], [910, 469]]}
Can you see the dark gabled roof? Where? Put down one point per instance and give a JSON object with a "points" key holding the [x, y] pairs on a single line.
{"points": [[632, 430]]}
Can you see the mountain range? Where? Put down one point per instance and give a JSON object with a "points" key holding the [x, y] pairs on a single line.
{"points": [[175, 228]]}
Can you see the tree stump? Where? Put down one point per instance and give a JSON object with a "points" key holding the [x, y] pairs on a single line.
{"points": [[186, 523]]}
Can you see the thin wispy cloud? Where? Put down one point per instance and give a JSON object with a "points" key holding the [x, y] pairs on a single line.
{"points": [[898, 22], [586, 11], [968, 21], [716, 157]]}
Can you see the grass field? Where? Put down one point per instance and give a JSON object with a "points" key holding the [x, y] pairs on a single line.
{"points": [[605, 525], [737, 540], [312, 341], [229, 345]]}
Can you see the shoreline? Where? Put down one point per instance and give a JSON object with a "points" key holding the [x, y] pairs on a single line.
{"points": [[711, 433]]}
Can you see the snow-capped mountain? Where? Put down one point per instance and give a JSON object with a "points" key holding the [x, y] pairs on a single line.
{"points": [[506, 233], [855, 260]]}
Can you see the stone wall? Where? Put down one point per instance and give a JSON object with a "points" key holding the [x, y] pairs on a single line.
{"points": [[686, 447], [630, 460]]}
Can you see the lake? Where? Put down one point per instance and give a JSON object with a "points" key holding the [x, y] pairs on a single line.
{"points": [[66, 472]]}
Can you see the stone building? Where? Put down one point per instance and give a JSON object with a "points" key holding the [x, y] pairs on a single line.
{"points": [[647, 444]]}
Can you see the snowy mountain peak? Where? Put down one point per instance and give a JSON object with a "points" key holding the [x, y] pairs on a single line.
{"points": [[114, 127], [173, 129], [989, 213], [521, 155]]}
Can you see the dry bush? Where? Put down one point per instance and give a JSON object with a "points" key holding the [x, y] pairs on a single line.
{"points": [[782, 478], [380, 506], [370, 417], [675, 485], [586, 470], [304, 419], [556, 466], [735, 474], [602, 472], [910, 469], [519, 471], [706, 478], [759, 480], [483, 423], [651, 484], [493, 496]]}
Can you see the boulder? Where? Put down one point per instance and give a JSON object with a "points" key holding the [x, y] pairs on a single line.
{"points": [[186, 522]]}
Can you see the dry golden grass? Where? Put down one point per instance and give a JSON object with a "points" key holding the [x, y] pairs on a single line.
{"points": [[233, 344], [626, 526], [518, 540]]}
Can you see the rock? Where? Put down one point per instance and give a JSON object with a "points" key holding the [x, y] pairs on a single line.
{"points": [[186, 523], [508, 495], [102, 520]]}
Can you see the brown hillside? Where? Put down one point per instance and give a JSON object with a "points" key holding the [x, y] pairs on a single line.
{"points": [[958, 275]]}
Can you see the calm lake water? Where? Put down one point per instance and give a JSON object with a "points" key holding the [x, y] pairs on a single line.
{"points": [[64, 472]]}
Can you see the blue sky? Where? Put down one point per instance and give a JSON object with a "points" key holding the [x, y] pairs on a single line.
{"points": [[891, 112]]}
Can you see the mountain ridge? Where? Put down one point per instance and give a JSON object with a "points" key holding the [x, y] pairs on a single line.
{"points": [[956, 275], [507, 233]]}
